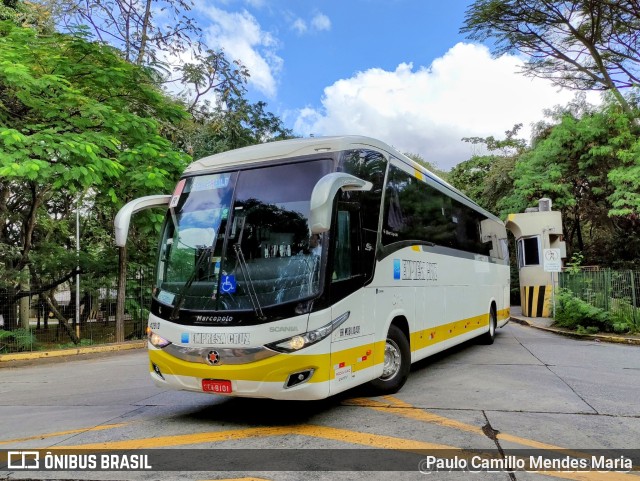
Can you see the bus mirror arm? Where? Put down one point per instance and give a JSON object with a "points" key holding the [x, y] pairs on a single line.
{"points": [[323, 194], [123, 218]]}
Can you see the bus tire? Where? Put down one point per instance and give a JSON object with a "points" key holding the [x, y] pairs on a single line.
{"points": [[397, 362], [489, 336]]}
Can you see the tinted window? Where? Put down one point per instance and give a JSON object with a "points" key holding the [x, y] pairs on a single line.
{"points": [[371, 166], [346, 251], [223, 254], [415, 211]]}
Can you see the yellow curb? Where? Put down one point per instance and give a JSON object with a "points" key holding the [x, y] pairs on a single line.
{"points": [[27, 356], [575, 335]]}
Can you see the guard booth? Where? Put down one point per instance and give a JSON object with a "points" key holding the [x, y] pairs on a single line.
{"points": [[537, 231]]}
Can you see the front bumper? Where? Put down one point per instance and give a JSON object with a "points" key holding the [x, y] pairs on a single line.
{"points": [[264, 378]]}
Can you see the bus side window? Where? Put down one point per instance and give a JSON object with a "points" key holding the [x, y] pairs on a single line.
{"points": [[342, 264], [346, 264]]}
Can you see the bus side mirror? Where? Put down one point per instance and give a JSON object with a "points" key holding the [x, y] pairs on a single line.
{"points": [[323, 194], [121, 223]]}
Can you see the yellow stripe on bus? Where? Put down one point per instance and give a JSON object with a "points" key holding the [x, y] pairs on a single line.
{"points": [[275, 369], [433, 335], [279, 367]]}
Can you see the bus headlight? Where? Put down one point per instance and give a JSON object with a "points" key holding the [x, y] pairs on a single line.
{"points": [[156, 340], [307, 339]]}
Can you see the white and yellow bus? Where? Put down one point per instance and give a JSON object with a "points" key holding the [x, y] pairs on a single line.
{"points": [[302, 268]]}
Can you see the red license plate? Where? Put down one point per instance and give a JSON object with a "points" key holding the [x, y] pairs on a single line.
{"points": [[216, 385]]}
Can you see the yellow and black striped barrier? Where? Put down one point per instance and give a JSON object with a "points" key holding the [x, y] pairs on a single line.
{"points": [[535, 300]]}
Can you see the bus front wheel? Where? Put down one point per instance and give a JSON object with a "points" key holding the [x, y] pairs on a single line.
{"points": [[397, 362]]}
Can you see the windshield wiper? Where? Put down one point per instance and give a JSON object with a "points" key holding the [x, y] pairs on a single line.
{"points": [[179, 299], [251, 290]]}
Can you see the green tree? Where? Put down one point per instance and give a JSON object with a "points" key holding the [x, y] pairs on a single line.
{"points": [[141, 29], [234, 124], [625, 198], [158, 33], [487, 178], [86, 129], [574, 163], [428, 165], [25, 15], [79, 125], [579, 44]]}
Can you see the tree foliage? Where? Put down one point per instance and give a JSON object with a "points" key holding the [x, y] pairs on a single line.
{"points": [[79, 126], [486, 178], [234, 124], [144, 30], [579, 164], [579, 44], [587, 160], [625, 177], [85, 126], [431, 167], [32, 16], [162, 34]]}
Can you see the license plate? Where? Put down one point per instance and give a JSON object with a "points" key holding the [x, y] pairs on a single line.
{"points": [[216, 385]]}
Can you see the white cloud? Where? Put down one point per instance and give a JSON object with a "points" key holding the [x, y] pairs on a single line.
{"points": [[427, 111], [299, 26], [321, 22], [239, 34], [318, 23]]}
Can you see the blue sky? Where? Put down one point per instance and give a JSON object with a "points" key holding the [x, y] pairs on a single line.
{"points": [[323, 41], [397, 70]]}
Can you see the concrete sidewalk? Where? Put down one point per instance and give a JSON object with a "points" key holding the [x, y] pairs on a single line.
{"points": [[30, 356], [546, 324]]}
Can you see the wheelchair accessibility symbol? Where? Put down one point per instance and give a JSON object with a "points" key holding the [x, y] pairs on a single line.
{"points": [[228, 285]]}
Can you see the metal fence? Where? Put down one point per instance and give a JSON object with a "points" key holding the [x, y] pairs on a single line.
{"points": [[617, 292], [97, 316]]}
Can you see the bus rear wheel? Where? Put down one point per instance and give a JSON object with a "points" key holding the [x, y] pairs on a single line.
{"points": [[489, 336], [397, 362]]}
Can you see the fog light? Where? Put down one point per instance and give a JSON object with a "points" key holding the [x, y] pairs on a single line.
{"points": [[298, 378], [156, 369]]}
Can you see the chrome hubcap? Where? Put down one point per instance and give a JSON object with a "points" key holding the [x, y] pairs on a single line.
{"points": [[392, 360]]}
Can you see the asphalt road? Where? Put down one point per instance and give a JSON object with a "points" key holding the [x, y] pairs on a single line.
{"points": [[529, 390]]}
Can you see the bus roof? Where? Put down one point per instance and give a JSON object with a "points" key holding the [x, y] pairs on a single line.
{"points": [[308, 146], [284, 149]]}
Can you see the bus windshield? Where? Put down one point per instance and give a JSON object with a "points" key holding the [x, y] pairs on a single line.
{"points": [[240, 240]]}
